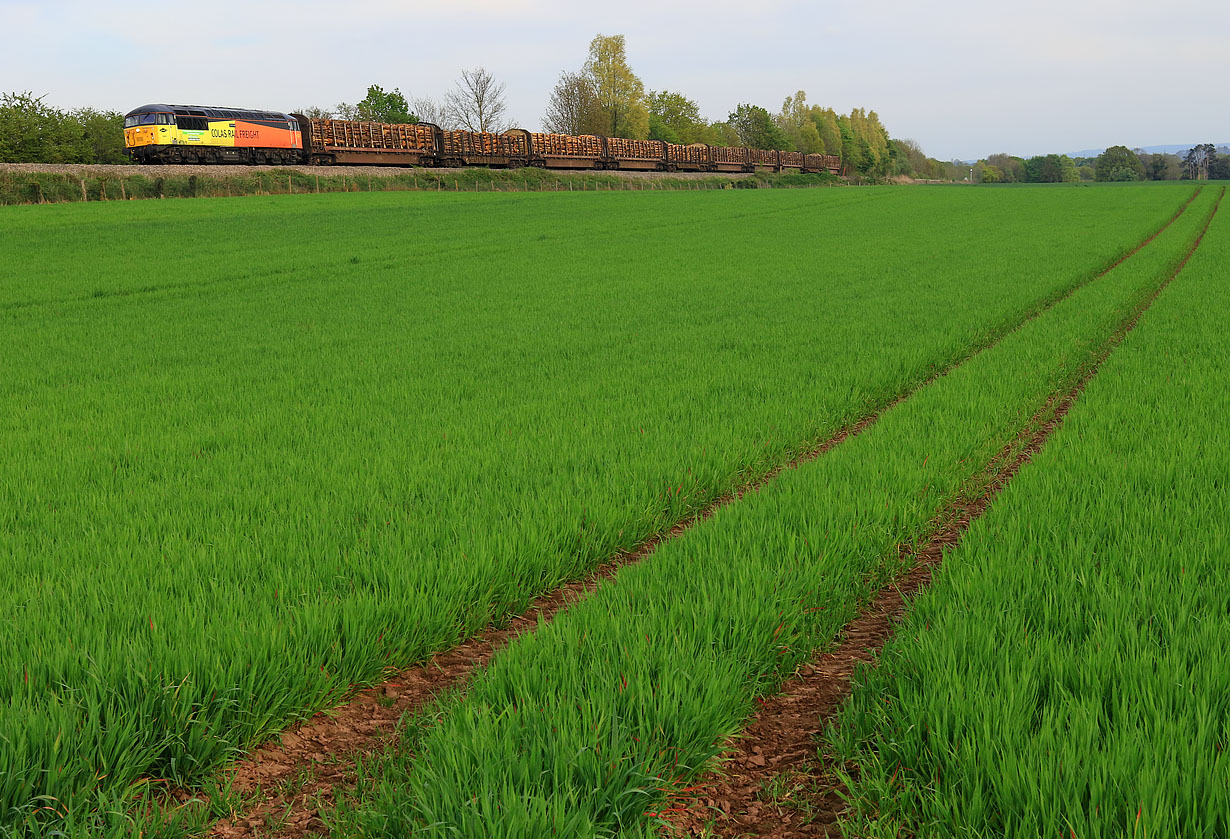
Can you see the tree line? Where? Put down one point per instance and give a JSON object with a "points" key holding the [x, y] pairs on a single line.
{"points": [[606, 97], [1117, 163], [32, 131]]}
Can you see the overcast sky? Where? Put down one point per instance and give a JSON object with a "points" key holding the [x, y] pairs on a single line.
{"points": [[963, 78]]}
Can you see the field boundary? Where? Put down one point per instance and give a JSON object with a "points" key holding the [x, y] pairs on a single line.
{"points": [[282, 785], [777, 752], [28, 183]]}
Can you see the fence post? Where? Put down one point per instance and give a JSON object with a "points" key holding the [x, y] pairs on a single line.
{"points": [[84, 197]]}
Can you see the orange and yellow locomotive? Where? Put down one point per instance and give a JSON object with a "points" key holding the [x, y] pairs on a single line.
{"points": [[194, 134]]}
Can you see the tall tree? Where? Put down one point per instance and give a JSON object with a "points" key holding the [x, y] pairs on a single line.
{"points": [[1118, 163], [1011, 168], [619, 94], [1162, 167], [380, 105], [1219, 167], [756, 129], [800, 130], [433, 111], [916, 158], [573, 107], [675, 118], [477, 102], [1196, 161], [829, 126], [865, 144]]}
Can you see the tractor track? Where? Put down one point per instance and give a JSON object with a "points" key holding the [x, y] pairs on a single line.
{"points": [[774, 782], [286, 783]]}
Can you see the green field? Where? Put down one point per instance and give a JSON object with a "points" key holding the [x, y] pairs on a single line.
{"points": [[262, 450], [1069, 673]]}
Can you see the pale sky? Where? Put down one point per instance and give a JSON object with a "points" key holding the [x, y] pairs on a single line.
{"points": [[963, 78]]}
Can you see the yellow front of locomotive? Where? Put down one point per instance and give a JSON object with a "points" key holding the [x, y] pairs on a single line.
{"points": [[147, 128]]}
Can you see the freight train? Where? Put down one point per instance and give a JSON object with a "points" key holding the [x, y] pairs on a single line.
{"points": [[195, 134]]}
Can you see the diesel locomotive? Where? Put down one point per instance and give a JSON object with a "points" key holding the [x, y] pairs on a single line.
{"points": [[196, 134]]}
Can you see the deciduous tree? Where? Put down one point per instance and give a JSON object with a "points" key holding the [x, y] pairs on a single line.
{"points": [[32, 131], [102, 135], [433, 111], [756, 129], [675, 118], [1119, 163], [573, 107], [477, 102], [1011, 168], [380, 105], [619, 94], [1051, 169]]}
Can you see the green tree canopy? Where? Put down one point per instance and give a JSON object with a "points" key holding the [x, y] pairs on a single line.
{"points": [[573, 107], [1119, 163], [1012, 169], [675, 118], [1051, 169], [380, 105], [619, 94], [800, 130], [989, 174], [1196, 161], [1219, 167], [32, 131], [756, 129]]}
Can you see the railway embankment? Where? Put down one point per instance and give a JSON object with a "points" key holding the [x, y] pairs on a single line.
{"points": [[54, 183]]}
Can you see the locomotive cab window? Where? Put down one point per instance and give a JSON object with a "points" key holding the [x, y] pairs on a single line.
{"points": [[192, 123], [141, 119]]}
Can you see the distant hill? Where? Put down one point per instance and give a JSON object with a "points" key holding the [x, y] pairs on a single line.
{"points": [[1179, 149]]}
